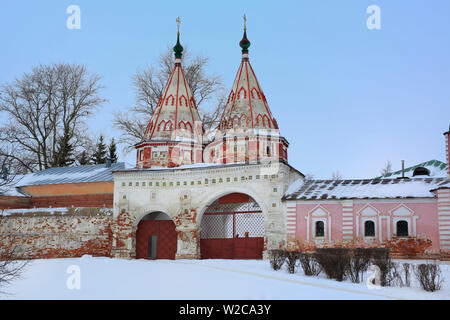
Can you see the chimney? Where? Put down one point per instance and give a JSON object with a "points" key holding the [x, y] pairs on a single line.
{"points": [[108, 162], [447, 147], [403, 171]]}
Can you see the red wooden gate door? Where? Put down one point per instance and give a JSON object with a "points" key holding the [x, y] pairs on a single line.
{"points": [[232, 228], [156, 239]]}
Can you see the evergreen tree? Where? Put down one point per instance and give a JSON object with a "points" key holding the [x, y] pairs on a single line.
{"points": [[83, 159], [112, 150], [64, 153], [100, 153]]}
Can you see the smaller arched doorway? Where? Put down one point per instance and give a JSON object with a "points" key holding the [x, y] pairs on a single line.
{"points": [[156, 237], [232, 227]]}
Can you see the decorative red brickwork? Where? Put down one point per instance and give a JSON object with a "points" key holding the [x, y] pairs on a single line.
{"points": [[401, 248], [92, 201]]}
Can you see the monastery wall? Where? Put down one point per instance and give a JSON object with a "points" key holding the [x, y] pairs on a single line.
{"points": [[57, 232]]}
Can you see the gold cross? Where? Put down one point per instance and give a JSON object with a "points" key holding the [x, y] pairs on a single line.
{"points": [[245, 22], [178, 24]]}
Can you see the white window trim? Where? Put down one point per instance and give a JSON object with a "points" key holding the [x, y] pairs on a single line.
{"points": [[410, 218], [311, 218]]}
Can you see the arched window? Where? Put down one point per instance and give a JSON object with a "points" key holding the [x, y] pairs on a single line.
{"points": [[421, 171], [320, 229], [369, 229], [268, 151], [402, 228]]}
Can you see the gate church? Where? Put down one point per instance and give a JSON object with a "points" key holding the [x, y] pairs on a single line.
{"points": [[190, 196], [231, 195]]}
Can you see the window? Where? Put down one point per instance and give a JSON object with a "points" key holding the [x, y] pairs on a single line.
{"points": [[268, 151], [402, 228], [369, 229], [143, 184], [320, 229]]}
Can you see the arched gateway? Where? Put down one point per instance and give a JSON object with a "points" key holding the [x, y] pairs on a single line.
{"points": [[156, 237], [232, 227]]}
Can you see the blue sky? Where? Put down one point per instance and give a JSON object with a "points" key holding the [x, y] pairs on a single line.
{"points": [[344, 96]]}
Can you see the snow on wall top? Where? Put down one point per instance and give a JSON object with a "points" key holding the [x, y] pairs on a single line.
{"points": [[364, 189], [89, 173]]}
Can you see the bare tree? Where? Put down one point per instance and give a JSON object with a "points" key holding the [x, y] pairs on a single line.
{"points": [[11, 268], [336, 175], [387, 168], [149, 84], [309, 177], [45, 114]]}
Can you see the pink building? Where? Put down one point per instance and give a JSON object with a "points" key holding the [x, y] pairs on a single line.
{"points": [[409, 214]]}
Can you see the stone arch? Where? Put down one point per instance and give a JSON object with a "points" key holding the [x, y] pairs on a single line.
{"points": [[228, 190], [149, 212]]}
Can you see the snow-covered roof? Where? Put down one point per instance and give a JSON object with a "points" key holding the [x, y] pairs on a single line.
{"points": [[75, 174], [8, 187], [364, 189], [438, 169]]}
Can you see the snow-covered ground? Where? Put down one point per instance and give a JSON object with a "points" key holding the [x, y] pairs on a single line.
{"points": [[104, 278]]}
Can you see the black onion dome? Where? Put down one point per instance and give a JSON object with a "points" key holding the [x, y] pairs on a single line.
{"points": [[244, 43]]}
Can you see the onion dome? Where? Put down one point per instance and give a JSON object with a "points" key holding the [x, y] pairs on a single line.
{"points": [[244, 43], [178, 49]]}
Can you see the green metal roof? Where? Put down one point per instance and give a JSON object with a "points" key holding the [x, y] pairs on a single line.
{"points": [[431, 164]]}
